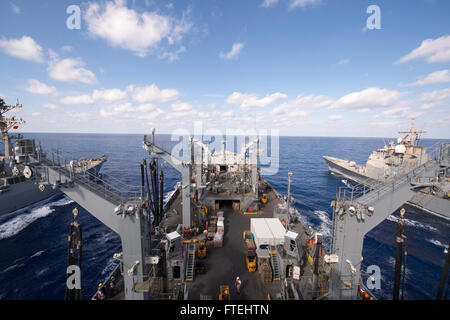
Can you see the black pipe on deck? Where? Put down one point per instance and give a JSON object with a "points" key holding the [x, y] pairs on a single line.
{"points": [[444, 277], [161, 194], [74, 255], [316, 266], [142, 181], [398, 256], [153, 173], [149, 197]]}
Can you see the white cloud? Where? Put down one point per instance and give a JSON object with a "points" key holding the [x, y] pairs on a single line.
{"points": [[128, 111], [24, 48], [77, 100], [434, 98], [269, 3], [250, 100], [343, 61], [37, 87], [36, 114], [70, 70], [80, 116], [15, 8], [171, 55], [395, 113], [312, 101], [370, 98], [152, 93], [149, 93], [50, 106], [401, 112], [303, 3], [235, 50], [431, 50], [109, 96], [335, 117], [181, 106], [385, 124], [66, 49], [138, 32], [433, 78], [103, 96], [293, 110]]}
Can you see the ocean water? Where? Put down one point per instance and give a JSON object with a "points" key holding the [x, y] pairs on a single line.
{"points": [[33, 244]]}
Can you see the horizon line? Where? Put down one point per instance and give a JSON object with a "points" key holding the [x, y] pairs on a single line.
{"points": [[287, 136]]}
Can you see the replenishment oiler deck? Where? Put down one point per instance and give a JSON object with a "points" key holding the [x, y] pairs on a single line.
{"points": [[223, 264], [221, 201]]}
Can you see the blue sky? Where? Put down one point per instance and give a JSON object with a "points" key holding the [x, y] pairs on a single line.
{"points": [[304, 67]]}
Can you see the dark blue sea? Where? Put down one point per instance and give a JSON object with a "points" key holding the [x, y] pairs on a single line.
{"points": [[33, 245]]}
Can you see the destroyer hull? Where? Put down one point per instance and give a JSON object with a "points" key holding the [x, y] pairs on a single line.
{"points": [[22, 195], [428, 203], [347, 173]]}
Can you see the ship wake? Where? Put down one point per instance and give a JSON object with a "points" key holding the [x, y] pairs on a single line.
{"points": [[14, 226]]}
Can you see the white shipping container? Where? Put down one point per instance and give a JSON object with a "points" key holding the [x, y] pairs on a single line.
{"points": [[277, 229], [261, 232]]}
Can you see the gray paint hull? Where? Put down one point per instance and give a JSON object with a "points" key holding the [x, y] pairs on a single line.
{"points": [[428, 203], [22, 195]]}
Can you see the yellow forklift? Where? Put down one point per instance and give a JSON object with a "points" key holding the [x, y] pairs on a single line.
{"points": [[224, 293], [250, 259], [201, 251], [264, 198]]}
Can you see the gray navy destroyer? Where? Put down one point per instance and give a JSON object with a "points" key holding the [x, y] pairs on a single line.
{"points": [[18, 187], [224, 223], [392, 161]]}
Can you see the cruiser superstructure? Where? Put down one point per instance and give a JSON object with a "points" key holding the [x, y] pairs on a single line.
{"points": [[392, 161]]}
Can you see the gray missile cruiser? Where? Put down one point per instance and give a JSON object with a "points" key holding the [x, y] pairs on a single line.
{"points": [[18, 187], [393, 160]]}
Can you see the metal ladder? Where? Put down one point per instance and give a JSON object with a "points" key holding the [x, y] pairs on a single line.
{"points": [[190, 262], [275, 264]]}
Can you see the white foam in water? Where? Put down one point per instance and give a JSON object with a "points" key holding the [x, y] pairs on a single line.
{"points": [[325, 225], [110, 265], [170, 193], [17, 224], [412, 223], [15, 266], [37, 254], [438, 243]]}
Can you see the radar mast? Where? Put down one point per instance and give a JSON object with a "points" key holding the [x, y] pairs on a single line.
{"points": [[6, 124], [412, 136]]}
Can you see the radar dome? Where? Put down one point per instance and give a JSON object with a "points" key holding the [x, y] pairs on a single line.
{"points": [[400, 148]]}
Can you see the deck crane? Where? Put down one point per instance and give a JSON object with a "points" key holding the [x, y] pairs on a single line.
{"points": [[182, 166]]}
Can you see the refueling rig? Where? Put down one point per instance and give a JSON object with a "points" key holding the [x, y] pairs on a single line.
{"points": [[159, 240]]}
